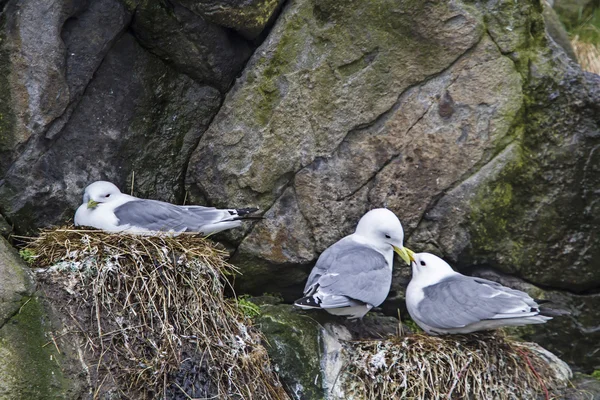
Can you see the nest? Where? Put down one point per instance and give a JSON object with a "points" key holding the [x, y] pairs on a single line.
{"points": [[476, 366], [153, 315]]}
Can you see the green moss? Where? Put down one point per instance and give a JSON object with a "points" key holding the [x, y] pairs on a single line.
{"points": [[7, 117], [27, 255], [31, 364], [412, 325], [247, 307], [596, 374], [294, 348]]}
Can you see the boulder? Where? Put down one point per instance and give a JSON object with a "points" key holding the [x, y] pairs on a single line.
{"points": [[33, 365]]}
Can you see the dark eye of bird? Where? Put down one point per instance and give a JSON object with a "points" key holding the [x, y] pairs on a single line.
{"points": [[423, 263], [388, 236], [108, 195]]}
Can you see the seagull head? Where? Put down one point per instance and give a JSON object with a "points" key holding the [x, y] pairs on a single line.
{"points": [[381, 226], [100, 192], [429, 264]]}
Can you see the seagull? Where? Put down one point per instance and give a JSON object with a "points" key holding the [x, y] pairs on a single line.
{"points": [[105, 207], [443, 301], [355, 274]]}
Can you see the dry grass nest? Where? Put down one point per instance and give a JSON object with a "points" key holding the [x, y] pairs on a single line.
{"points": [[145, 306], [588, 55], [475, 366]]}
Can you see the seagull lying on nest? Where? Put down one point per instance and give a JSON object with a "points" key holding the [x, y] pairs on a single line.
{"points": [[354, 274], [442, 301], [105, 207]]}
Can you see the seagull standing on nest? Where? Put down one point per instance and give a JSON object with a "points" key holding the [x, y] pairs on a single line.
{"points": [[355, 274], [442, 301], [105, 207]]}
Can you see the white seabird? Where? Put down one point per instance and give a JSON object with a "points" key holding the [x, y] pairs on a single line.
{"points": [[443, 301], [105, 207], [355, 274]]}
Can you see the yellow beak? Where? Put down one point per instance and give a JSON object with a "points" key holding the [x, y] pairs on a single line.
{"points": [[405, 254], [92, 204]]}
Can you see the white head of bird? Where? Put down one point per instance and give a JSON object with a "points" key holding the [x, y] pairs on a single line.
{"points": [[428, 265], [381, 228], [100, 192]]}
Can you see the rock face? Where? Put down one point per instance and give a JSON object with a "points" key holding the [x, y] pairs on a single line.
{"points": [[466, 119], [29, 369], [87, 101]]}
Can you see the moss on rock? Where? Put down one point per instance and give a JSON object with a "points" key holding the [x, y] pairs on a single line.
{"points": [[294, 348], [7, 117], [31, 364]]}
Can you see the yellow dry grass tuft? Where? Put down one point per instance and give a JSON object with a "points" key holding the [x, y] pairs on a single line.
{"points": [[477, 366], [588, 55], [148, 305]]}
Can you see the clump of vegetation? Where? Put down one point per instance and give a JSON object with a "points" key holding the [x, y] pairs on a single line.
{"points": [[27, 255], [146, 306], [479, 366], [249, 309]]}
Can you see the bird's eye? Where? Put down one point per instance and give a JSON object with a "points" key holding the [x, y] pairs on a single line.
{"points": [[388, 237], [108, 195], [422, 263]]}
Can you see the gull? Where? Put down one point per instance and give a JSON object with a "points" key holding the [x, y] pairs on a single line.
{"points": [[105, 207], [355, 274], [443, 301]]}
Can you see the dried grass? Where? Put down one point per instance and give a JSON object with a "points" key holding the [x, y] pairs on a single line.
{"points": [[588, 55], [147, 304], [476, 366]]}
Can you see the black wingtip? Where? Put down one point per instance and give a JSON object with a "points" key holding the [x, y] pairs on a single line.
{"points": [[307, 302], [244, 211]]}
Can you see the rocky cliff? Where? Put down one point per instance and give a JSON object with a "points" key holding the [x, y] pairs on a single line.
{"points": [[471, 120]]}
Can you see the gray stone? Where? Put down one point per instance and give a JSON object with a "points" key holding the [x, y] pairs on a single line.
{"points": [[204, 51], [249, 17], [16, 284], [137, 116]]}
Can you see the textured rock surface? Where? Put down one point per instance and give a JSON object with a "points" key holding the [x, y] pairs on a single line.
{"points": [[464, 118], [124, 111], [249, 17], [482, 137], [204, 51], [306, 347], [16, 284], [29, 368]]}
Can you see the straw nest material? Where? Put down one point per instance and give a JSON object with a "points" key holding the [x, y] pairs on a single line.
{"points": [[475, 366], [588, 55], [148, 306]]}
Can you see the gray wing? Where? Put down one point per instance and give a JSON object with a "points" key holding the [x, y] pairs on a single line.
{"points": [[461, 300], [355, 271], [160, 216]]}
